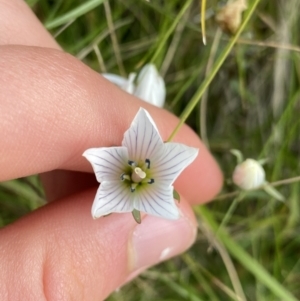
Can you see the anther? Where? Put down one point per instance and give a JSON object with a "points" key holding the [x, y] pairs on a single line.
{"points": [[147, 161], [131, 163], [124, 176], [148, 181], [133, 186]]}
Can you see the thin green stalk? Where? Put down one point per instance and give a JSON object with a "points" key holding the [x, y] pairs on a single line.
{"points": [[205, 284], [184, 87], [244, 258], [183, 291], [280, 124], [203, 104], [23, 190], [199, 93], [74, 13], [163, 40], [231, 209], [230, 267], [196, 267]]}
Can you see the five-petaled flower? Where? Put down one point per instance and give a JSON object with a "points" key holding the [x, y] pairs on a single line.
{"points": [[138, 175]]}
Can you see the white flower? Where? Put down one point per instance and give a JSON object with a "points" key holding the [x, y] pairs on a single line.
{"points": [[149, 87], [138, 175], [249, 175]]}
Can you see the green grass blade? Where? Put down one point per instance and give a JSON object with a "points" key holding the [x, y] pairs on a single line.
{"points": [[31, 3], [74, 14], [244, 258], [199, 93], [167, 34]]}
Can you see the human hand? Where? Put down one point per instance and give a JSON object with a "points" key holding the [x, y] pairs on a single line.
{"points": [[53, 108]]}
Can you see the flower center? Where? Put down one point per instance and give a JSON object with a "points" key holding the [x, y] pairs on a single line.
{"points": [[138, 174]]}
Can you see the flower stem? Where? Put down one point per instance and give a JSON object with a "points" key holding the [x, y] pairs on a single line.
{"points": [[197, 96], [165, 37], [274, 184]]}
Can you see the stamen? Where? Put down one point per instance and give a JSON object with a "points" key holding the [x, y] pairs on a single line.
{"points": [[148, 181], [138, 175], [147, 161], [133, 186], [124, 176], [131, 163]]}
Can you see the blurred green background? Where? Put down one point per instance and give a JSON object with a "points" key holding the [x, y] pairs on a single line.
{"points": [[251, 105]]}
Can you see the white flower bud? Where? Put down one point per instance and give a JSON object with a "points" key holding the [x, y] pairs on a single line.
{"points": [[150, 86], [249, 175]]}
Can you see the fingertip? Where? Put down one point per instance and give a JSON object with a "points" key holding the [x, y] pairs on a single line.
{"points": [[203, 178], [75, 255], [167, 239]]}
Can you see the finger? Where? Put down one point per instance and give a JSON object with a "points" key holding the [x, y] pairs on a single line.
{"points": [[70, 256], [25, 29], [18, 25], [53, 108], [62, 183]]}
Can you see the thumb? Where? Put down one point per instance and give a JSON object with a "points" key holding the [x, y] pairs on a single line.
{"points": [[60, 253]]}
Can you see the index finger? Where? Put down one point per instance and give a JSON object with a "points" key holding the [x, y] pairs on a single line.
{"points": [[18, 25]]}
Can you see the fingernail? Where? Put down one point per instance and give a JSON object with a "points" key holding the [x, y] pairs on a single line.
{"points": [[157, 239]]}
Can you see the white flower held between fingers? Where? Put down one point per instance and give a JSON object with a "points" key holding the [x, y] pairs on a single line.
{"points": [[149, 87], [249, 175], [138, 175]]}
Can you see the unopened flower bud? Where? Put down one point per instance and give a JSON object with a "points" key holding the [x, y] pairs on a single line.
{"points": [[249, 175], [149, 86]]}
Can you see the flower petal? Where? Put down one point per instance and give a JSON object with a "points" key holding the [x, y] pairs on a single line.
{"points": [[112, 197], [157, 200], [124, 83], [115, 79], [108, 162], [142, 139], [150, 86], [170, 161], [129, 86]]}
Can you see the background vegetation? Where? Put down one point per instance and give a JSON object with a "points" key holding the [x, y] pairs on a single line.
{"points": [[252, 105]]}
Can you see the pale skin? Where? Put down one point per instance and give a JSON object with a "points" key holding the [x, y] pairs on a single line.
{"points": [[53, 108]]}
